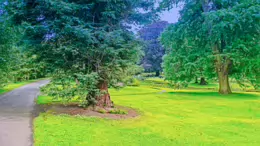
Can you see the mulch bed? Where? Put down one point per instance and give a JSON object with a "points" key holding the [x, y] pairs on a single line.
{"points": [[90, 111]]}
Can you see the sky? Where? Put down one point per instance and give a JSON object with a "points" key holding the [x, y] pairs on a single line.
{"points": [[171, 16]]}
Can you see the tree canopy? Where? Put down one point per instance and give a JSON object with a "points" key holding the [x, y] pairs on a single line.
{"points": [[153, 49], [84, 41], [221, 36], [8, 39]]}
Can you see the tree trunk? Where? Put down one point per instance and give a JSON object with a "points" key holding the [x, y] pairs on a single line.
{"points": [[224, 87], [77, 81], [157, 74], [222, 68], [257, 84], [104, 100], [196, 80], [203, 81]]}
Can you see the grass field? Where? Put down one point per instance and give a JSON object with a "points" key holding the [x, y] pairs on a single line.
{"points": [[13, 86], [167, 118]]}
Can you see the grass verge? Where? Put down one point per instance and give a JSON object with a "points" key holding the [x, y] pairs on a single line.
{"points": [[13, 86]]}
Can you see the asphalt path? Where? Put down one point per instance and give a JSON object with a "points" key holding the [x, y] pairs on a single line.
{"points": [[16, 109]]}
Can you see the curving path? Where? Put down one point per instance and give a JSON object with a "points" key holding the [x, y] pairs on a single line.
{"points": [[16, 109]]}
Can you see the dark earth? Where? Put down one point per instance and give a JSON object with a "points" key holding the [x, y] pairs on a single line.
{"points": [[75, 110], [16, 115]]}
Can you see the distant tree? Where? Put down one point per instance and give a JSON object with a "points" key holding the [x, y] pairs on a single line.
{"points": [[9, 36], [83, 41], [153, 49], [219, 34]]}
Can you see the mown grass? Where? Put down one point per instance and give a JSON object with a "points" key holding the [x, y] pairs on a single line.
{"points": [[168, 117], [212, 85], [13, 86]]}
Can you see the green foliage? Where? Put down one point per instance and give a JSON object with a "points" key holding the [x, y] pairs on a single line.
{"points": [[86, 42], [27, 68], [213, 37], [64, 86], [8, 37], [15, 64]]}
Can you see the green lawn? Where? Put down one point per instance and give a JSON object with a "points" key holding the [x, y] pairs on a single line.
{"points": [[187, 117], [13, 86], [212, 85]]}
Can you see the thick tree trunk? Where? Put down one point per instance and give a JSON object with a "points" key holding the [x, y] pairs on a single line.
{"points": [[222, 68], [203, 81], [104, 100], [224, 87]]}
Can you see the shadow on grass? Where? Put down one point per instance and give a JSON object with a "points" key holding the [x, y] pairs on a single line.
{"points": [[211, 94], [216, 95]]}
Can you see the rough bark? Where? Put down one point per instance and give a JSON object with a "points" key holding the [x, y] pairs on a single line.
{"points": [[222, 68], [203, 81], [104, 100], [224, 87]]}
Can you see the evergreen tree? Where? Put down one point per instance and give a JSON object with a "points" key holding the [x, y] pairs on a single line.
{"points": [[84, 41], [153, 49]]}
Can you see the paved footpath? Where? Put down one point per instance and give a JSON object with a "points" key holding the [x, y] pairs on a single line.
{"points": [[16, 109]]}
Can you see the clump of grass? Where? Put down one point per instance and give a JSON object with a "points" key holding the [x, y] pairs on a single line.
{"points": [[118, 111], [102, 111]]}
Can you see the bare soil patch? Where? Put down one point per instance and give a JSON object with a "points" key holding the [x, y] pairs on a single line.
{"points": [[74, 110]]}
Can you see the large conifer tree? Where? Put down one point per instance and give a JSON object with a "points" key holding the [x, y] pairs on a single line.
{"points": [[83, 40]]}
